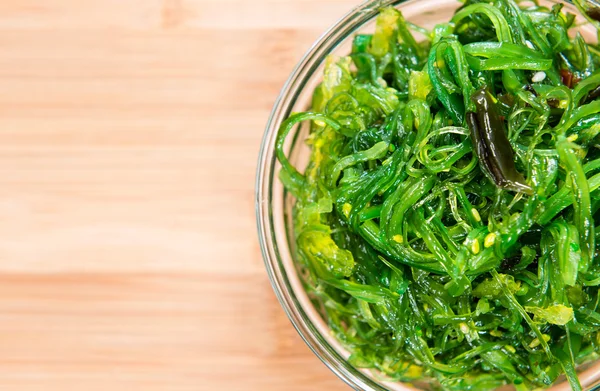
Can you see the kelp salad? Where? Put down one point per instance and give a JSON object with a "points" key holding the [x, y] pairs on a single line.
{"points": [[446, 218]]}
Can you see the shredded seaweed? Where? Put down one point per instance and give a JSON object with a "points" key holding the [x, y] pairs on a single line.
{"points": [[446, 218]]}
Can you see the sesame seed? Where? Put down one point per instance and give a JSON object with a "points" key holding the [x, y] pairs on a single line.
{"points": [[475, 247], [347, 208], [475, 214], [489, 240], [538, 77]]}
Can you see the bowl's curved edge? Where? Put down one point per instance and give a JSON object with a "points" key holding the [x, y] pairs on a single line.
{"points": [[265, 172]]}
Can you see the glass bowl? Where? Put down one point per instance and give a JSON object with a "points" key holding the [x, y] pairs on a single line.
{"points": [[274, 204]]}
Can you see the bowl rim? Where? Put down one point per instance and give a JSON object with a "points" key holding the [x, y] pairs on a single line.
{"points": [[331, 38]]}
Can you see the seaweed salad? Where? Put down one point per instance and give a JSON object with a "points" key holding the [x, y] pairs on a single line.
{"points": [[446, 218]]}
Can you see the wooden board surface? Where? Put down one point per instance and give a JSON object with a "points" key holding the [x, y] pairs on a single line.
{"points": [[129, 136]]}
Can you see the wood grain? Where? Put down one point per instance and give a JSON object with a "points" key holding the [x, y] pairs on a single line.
{"points": [[128, 255]]}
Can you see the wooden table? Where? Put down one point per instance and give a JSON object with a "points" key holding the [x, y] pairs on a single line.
{"points": [[128, 255]]}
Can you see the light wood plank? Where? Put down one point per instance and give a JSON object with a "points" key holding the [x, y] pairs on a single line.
{"points": [[219, 15], [167, 332]]}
